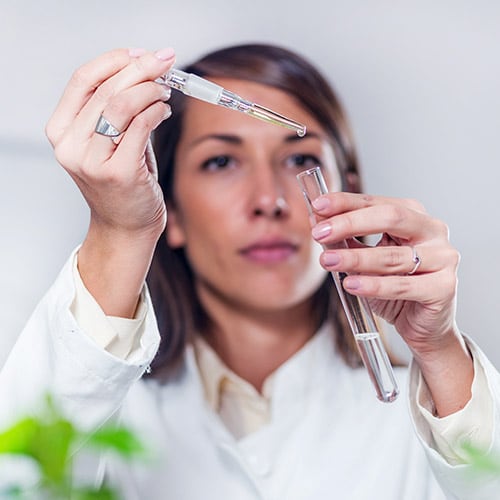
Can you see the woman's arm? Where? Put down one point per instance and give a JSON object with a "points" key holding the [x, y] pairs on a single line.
{"points": [[117, 176]]}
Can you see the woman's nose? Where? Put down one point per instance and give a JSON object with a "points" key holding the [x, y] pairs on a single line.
{"points": [[277, 207], [269, 195]]}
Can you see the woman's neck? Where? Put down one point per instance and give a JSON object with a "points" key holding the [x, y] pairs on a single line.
{"points": [[254, 344]]}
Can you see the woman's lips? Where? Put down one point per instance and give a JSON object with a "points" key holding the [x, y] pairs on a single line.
{"points": [[268, 253]]}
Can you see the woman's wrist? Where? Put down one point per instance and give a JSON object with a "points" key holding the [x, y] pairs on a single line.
{"points": [[113, 266], [448, 371]]}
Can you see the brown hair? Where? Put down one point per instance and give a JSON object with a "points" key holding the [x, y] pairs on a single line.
{"points": [[178, 310]]}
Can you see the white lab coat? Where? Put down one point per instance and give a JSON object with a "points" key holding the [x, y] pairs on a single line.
{"points": [[329, 437]]}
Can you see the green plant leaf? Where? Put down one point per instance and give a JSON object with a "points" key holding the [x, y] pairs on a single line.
{"points": [[117, 439], [46, 438], [17, 439], [482, 461], [49, 440], [93, 494], [51, 447]]}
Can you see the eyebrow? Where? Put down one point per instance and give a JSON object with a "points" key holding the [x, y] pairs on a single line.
{"points": [[234, 139], [231, 139]]}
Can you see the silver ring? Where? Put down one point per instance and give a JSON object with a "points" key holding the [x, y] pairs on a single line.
{"points": [[416, 261], [103, 127]]}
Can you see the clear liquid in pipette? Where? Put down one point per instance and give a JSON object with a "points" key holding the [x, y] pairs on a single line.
{"points": [[258, 111], [373, 354]]}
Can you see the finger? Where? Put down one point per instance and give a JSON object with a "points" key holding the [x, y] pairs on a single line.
{"points": [[340, 202], [80, 88], [142, 69], [390, 260], [106, 160], [93, 85], [402, 223], [120, 112], [134, 145], [425, 288]]}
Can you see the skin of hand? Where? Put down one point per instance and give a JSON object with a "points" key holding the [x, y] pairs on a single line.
{"points": [[421, 306], [117, 177]]}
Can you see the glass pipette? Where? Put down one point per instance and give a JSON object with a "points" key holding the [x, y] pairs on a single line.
{"points": [[357, 309], [195, 86]]}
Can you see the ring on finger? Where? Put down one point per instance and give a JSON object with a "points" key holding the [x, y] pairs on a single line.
{"points": [[417, 261], [104, 127]]}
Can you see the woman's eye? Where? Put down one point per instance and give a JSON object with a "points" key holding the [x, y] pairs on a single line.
{"points": [[303, 160], [217, 163]]}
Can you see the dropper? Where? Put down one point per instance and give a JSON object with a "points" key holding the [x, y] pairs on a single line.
{"points": [[195, 86]]}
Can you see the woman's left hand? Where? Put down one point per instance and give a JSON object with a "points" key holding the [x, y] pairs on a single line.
{"points": [[419, 300]]}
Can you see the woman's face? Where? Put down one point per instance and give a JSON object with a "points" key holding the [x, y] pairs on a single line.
{"points": [[239, 212]]}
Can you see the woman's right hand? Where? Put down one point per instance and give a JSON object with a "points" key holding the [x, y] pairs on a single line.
{"points": [[118, 181], [117, 177]]}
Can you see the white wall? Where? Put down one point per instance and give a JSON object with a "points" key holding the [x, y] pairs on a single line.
{"points": [[420, 80]]}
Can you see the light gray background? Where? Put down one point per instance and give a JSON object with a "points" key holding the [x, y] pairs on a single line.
{"points": [[420, 80]]}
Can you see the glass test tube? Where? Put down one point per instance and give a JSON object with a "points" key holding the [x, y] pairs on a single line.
{"points": [[357, 309]]}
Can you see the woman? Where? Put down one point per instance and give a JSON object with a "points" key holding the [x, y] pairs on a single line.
{"points": [[254, 392]]}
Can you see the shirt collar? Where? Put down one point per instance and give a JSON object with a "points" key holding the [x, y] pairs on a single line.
{"points": [[216, 376]]}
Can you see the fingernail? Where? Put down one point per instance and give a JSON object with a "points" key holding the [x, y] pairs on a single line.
{"points": [[330, 259], [166, 93], [321, 230], [168, 112], [352, 283], [165, 54], [136, 52], [320, 203]]}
